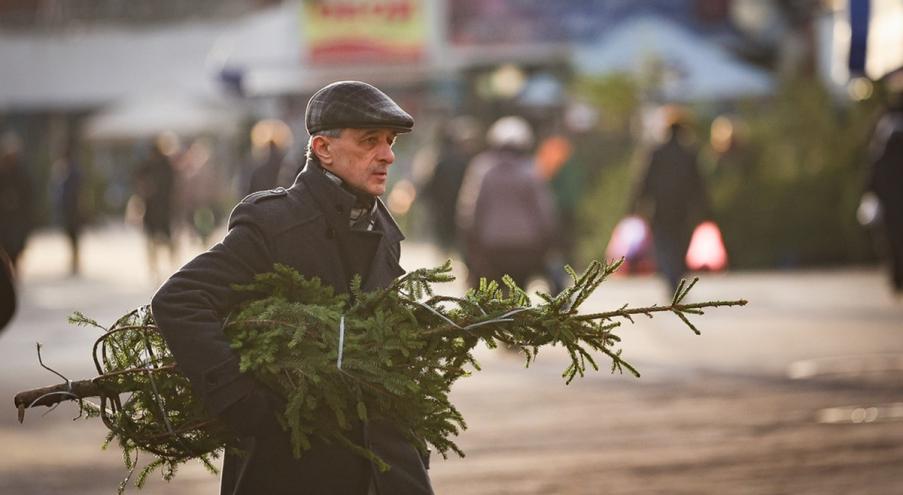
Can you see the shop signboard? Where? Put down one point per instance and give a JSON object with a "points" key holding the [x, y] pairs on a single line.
{"points": [[513, 22], [356, 31]]}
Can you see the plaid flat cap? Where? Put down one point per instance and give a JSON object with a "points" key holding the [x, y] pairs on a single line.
{"points": [[355, 105]]}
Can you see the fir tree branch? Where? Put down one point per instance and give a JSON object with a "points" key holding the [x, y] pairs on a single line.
{"points": [[403, 348], [675, 308]]}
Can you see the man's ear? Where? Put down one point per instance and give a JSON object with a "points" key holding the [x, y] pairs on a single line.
{"points": [[320, 147]]}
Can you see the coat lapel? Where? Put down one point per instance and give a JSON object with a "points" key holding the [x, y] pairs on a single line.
{"points": [[384, 268], [336, 203]]}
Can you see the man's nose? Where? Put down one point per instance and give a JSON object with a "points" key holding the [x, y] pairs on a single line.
{"points": [[386, 154]]}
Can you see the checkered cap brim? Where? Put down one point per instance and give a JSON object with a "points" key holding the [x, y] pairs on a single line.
{"points": [[356, 105]]}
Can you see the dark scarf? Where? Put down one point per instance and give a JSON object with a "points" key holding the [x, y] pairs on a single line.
{"points": [[363, 213]]}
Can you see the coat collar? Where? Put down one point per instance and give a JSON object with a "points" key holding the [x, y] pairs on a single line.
{"points": [[336, 202]]}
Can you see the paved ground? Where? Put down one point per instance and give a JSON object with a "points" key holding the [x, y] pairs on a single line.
{"points": [[801, 392]]}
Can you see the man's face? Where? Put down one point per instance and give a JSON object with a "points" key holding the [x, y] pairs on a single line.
{"points": [[361, 157]]}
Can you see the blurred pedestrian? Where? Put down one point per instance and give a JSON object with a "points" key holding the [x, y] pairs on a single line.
{"points": [[66, 182], [271, 140], [154, 185], [563, 165], [16, 198], [886, 182], [7, 290], [555, 165], [459, 141], [266, 173], [673, 196], [200, 191], [505, 210]]}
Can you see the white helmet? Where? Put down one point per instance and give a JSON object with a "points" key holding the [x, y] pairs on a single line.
{"points": [[510, 132]]}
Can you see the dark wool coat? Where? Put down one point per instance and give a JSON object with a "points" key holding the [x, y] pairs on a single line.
{"points": [[305, 227]]}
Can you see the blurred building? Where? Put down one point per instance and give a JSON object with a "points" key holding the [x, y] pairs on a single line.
{"points": [[115, 72], [55, 14]]}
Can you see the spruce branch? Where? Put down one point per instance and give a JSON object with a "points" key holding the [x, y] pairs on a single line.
{"points": [[402, 349]]}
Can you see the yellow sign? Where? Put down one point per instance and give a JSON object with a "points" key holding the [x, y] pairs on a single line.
{"points": [[357, 30]]}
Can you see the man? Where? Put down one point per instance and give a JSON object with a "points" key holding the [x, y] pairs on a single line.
{"points": [[678, 197], [330, 224]]}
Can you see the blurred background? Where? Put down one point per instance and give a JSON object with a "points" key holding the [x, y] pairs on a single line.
{"points": [[753, 143]]}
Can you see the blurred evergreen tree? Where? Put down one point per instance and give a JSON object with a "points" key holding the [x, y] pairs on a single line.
{"points": [[790, 196], [784, 196]]}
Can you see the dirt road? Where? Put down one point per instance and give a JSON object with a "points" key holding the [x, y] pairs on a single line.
{"points": [[799, 393]]}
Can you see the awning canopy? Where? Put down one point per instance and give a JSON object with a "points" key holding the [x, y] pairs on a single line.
{"points": [[146, 116], [87, 70], [84, 69], [687, 66]]}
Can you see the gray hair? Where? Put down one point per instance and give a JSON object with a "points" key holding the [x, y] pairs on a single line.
{"points": [[334, 133]]}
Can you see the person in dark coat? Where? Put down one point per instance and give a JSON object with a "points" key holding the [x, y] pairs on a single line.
{"points": [[67, 185], [329, 224], [271, 167], [155, 183], [16, 198], [266, 175], [886, 182], [457, 147], [676, 193]]}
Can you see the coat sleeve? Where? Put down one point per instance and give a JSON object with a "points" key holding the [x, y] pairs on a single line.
{"points": [[191, 306]]}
